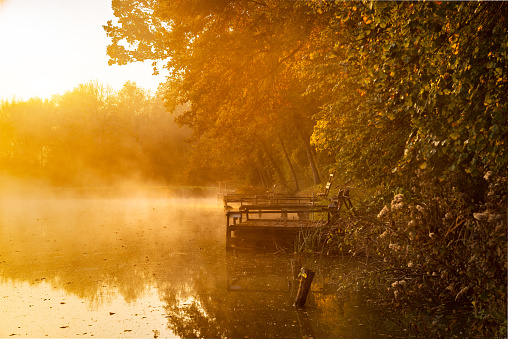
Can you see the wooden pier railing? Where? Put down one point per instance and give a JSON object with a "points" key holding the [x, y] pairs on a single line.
{"points": [[272, 199]]}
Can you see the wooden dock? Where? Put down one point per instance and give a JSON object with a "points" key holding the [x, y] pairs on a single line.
{"points": [[268, 216], [280, 223]]}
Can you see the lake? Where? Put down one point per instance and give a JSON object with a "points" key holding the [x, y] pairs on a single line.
{"points": [[159, 268]]}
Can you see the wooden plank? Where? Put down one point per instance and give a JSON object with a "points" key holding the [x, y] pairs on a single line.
{"points": [[280, 207], [272, 199], [276, 225]]}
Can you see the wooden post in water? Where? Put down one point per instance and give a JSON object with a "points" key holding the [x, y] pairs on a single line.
{"points": [[306, 277]]}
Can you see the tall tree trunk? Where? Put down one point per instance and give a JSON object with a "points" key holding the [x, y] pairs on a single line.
{"points": [[261, 176], [275, 165], [293, 172], [264, 173], [308, 148], [315, 173]]}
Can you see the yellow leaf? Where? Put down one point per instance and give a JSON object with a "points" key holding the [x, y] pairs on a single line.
{"points": [[423, 166], [366, 20]]}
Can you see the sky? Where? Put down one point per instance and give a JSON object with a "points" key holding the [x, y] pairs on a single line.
{"points": [[48, 47]]}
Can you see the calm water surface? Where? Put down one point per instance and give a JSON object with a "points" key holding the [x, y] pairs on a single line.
{"points": [[158, 268]]}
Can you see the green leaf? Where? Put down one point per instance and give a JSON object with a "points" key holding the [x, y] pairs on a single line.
{"points": [[454, 135]]}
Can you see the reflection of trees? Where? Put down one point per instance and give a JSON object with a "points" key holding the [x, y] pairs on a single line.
{"points": [[208, 309], [188, 319]]}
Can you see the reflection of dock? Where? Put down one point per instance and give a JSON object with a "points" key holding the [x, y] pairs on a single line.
{"points": [[279, 223]]}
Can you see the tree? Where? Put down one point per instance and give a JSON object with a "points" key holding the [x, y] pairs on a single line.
{"points": [[414, 86], [133, 109], [26, 132], [392, 87], [164, 146], [229, 60]]}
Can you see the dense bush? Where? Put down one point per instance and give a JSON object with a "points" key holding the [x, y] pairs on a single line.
{"points": [[440, 250]]}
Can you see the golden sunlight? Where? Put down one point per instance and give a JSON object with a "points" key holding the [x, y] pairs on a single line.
{"points": [[49, 47]]}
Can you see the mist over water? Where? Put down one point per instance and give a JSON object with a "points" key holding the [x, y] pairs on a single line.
{"points": [[150, 267], [98, 252]]}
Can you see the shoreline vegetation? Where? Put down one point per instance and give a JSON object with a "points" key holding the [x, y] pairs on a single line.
{"points": [[431, 255]]}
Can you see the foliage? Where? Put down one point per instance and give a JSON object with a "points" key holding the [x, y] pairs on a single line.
{"points": [[392, 87], [413, 85], [438, 252], [415, 97], [231, 61]]}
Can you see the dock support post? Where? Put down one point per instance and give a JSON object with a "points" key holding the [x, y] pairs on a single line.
{"points": [[228, 231]]}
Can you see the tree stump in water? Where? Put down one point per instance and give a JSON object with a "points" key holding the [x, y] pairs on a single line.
{"points": [[306, 277]]}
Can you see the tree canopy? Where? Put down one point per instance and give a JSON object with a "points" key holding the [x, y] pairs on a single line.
{"points": [[384, 88]]}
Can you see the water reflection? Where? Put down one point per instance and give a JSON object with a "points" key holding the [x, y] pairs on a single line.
{"points": [[156, 267]]}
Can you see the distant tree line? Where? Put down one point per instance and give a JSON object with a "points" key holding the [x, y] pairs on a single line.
{"points": [[92, 136]]}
